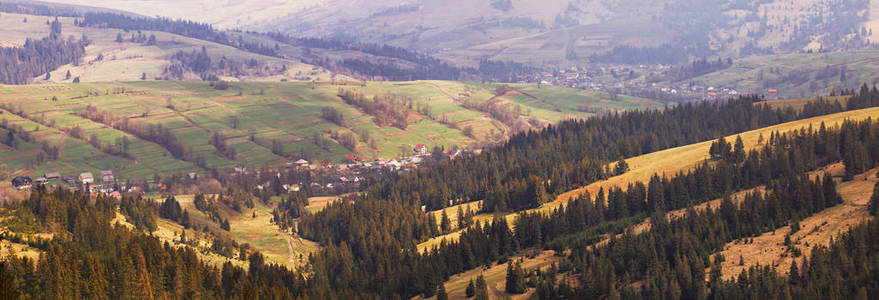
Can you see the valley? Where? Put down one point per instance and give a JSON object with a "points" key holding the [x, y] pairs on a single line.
{"points": [[494, 149], [80, 120]]}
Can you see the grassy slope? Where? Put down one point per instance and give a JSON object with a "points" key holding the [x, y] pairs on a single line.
{"points": [[672, 161], [286, 112], [767, 249], [129, 61], [744, 75], [818, 229]]}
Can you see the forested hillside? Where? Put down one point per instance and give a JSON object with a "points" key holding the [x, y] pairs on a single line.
{"points": [[339, 225], [101, 260], [19, 65], [461, 149], [372, 240]]}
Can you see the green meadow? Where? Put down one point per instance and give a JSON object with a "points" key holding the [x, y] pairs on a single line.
{"points": [[251, 116]]}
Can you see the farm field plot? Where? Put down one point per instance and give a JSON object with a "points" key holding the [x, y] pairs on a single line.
{"points": [[797, 75], [249, 117]]}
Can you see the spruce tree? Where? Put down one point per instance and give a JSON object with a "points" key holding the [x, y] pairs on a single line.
{"points": [[738, 154], [621, 167], [445, 223], [515, 278], [874, 200], [511, 278], [461, 217], [441, 292], [481, 288], [471, 289]]}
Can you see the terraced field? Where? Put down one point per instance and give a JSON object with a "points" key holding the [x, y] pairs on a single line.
{"points": [[251, 116]]}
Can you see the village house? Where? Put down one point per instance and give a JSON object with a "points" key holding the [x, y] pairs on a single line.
{"points": [[69, 179], [420, 149], [107, 176], [301, 163], [86, 178], [22, 182], [53, 176]]}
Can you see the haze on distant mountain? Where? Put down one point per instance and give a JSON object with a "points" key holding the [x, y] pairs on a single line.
{"points": [[550, 31], [223, 14]]}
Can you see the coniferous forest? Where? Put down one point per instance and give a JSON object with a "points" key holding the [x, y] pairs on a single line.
{"points": [[779, 166], [20, 65], [536, 215], [369, 251], [370, 241]]}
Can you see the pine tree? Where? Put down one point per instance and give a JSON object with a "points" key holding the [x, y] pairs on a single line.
{"points": [[738, 154], [445, 223], [471, 289], [185, 220], [515, 283], [874, 201], [481, 288], [621, 167], [511, 278], [441, 292], [794, 276], [461, 222]]}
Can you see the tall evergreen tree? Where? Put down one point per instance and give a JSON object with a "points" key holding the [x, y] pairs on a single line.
{"points": [[481, 288], [441, 292], [470, 291], [874, 201], [445, 223], [515, 283]]}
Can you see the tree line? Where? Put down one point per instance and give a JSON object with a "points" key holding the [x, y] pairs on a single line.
{"points": [[671, 258], [584, 220], [356, 229], [386, 110], [575, 153], [20, 65], [99, 260]]}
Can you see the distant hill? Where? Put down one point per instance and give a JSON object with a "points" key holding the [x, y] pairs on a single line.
{"points": [[224, 14], [571, 30], [797, 75], [552, 31]]}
